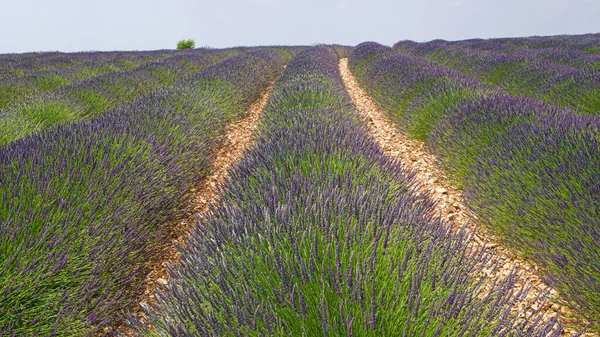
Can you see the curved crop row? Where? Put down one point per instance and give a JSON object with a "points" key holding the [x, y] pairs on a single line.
{"points": [[97, 94], [531, 171], [588, 43], [414, 91], [569, 57], [21, 65], [318, 233], [520, 73], [26, 76], [82, 205]]}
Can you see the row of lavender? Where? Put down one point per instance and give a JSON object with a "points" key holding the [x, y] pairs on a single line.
{"points": [[19, 65], [521, 72], [318, 233], [585, 43], [577, 51], [83, 204], [22, 76], [94, 95], [531, 171], [561, 55]]}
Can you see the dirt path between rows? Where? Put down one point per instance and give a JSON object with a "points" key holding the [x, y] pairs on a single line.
{"points": [[238, 137], [450, 201]]}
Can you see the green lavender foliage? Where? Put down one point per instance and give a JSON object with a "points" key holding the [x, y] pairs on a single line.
{"points": [[22, 76], [317, 232], [95, 95], [530, 170], [83, 205]]}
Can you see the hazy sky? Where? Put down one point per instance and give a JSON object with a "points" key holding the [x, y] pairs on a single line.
{"points": [[76, 25]]}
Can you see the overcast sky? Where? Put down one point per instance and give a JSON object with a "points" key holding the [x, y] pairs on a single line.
{"points": [[78, 25]]}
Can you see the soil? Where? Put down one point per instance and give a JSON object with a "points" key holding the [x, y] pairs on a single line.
{"points": [[452, 207]]}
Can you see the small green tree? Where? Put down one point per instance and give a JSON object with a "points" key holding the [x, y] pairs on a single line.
{"points": [[186, 44]]}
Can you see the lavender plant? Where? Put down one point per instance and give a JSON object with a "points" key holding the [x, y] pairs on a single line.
{"points": [[83, 205], [19, 65], [90, 97], [22, 76], [472, 126], [530, 170], [416, 100], [519, 72], [319, 233], [567, 54], [546, 174], [579, 43]]}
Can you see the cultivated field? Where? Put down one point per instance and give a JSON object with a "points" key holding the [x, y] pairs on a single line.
{"points": [[425, 189]]}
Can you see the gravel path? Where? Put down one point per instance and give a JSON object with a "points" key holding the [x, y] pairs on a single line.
{"points": [[450, 202]]}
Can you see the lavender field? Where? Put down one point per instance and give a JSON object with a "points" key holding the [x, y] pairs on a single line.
{"points": [[114, 222]]}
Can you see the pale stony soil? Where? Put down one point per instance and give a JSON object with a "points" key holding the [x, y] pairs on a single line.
{"points": [[450, 202], [238, 137]]}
